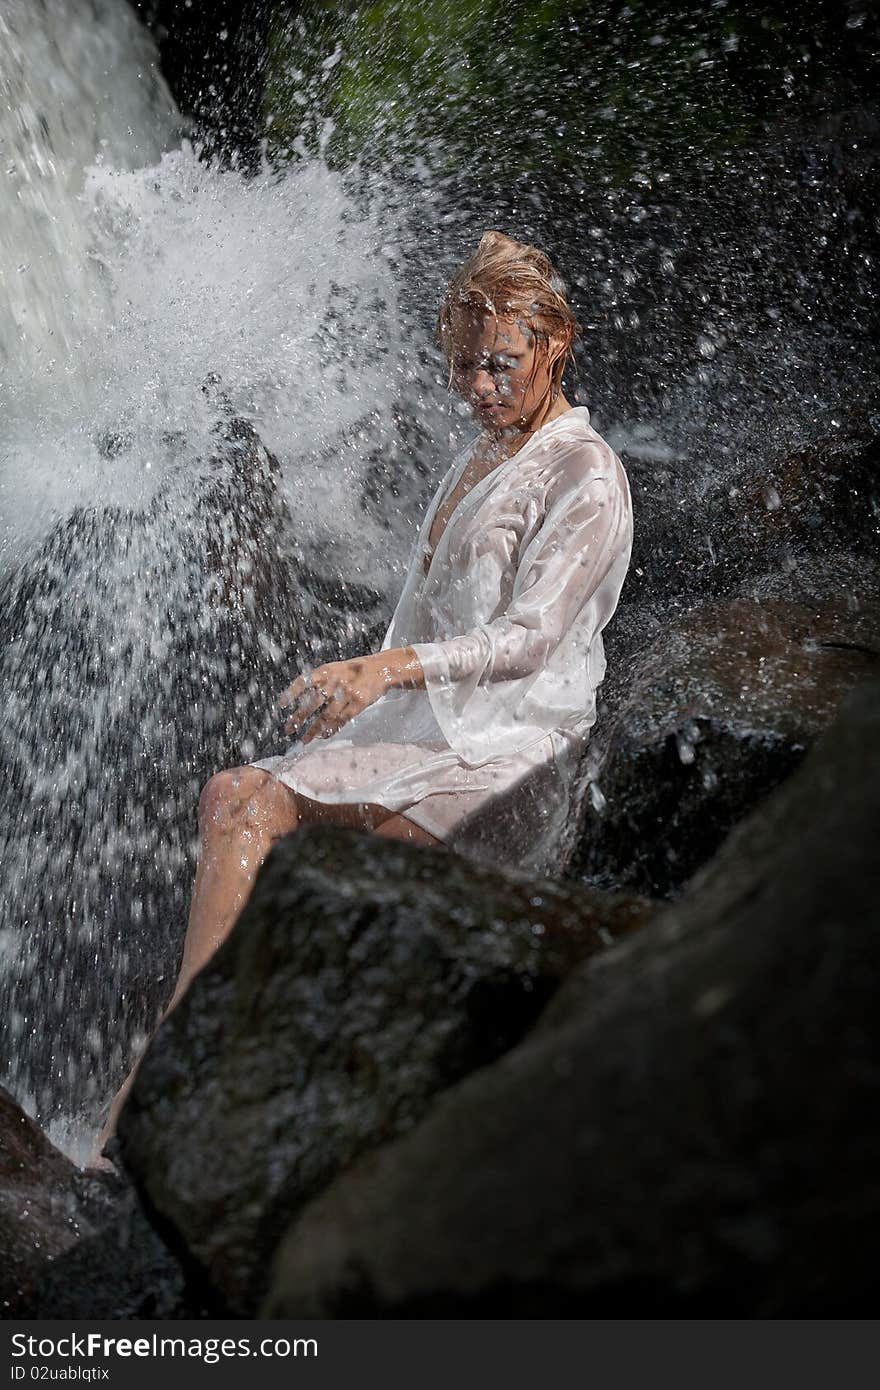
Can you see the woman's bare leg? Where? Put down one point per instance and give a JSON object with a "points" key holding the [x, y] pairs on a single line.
{"points": [[242, 812], [399, 828]]}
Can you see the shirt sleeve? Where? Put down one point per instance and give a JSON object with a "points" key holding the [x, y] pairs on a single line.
{"points": [[582, 533]]}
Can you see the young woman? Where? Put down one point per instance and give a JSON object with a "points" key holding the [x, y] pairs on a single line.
{"points": [[466, 728]]}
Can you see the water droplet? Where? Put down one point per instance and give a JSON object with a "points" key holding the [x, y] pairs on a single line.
{"points": [[685, 749], [770, 497]]}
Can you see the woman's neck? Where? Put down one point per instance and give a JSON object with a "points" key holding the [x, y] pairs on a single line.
{"points": [[545, 414]]}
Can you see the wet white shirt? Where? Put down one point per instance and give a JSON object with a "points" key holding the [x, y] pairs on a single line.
{"points": [[507, 627]]}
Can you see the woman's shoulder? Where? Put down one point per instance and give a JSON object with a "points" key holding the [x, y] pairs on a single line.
{"points": [[573, 453]]}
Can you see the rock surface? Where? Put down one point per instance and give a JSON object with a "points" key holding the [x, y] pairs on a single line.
{"points": [[718, 711], [750, 608], [39, 1206], [692, 1129], [766, 516], [363, 977], [75, 1244]]}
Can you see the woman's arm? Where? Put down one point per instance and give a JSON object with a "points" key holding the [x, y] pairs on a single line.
{"points": [[405, 669], [584, 528], [332, 694], [533, 667]]}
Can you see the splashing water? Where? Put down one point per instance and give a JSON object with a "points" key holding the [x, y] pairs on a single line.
{"points": [[134, 499], [162, 577]]}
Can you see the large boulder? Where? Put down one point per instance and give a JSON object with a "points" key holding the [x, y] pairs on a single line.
{"points": [[75, 1244], [363, 977], [719, 710], [764, 515], [751, 606], [693, 1128], [39, 1204]]}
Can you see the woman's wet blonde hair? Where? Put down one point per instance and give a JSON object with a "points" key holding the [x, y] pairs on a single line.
{"points": [[510, 279]]}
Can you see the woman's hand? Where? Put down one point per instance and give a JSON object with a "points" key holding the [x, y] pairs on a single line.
{"points": [[337, 691]]}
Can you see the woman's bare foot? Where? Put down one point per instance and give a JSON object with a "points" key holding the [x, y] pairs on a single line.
{"points": [[97, 1158], [98, 1162]]}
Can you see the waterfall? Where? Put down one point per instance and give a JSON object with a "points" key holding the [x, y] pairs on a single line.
{"points": [[131, 274], [79, 87]]}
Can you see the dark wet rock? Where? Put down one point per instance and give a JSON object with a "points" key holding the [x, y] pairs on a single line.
{"points": [[743, 620], [122, 1270], [821, 498], [75, 1244], [39, 1206], [140, 650], [364, 976], [719, 710], [407, 451], [770, 516], [693, 1128]]}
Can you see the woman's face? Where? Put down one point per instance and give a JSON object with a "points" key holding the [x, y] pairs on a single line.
{"points": [[500, 368]]}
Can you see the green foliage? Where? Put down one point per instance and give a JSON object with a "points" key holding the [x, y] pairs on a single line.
{"points": [[496, 88]]}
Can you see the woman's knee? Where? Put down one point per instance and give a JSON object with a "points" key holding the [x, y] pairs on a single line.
{"points": [[230, 794]]}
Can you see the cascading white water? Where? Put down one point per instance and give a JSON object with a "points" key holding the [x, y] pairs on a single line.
{"points": [[130, 271], [79, 84], [129, 274]]}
